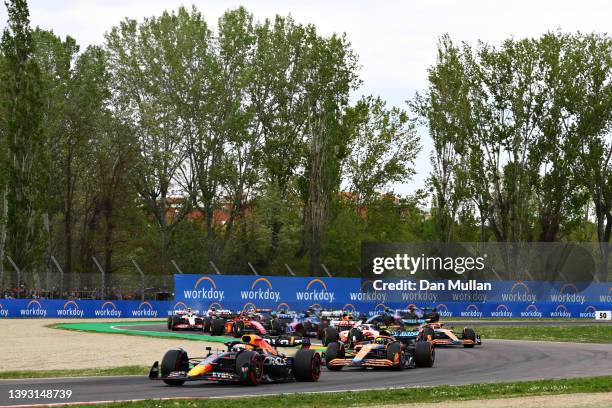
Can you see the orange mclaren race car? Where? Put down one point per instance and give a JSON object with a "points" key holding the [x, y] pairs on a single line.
{"points": [[442, 336], [380, 352], [250, 361]]}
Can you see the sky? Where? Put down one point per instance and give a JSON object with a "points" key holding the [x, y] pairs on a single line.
{"points": [[395, 40]]}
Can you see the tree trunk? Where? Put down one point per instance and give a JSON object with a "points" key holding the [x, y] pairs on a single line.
{"points": [[68, 216], [274, 241], [4, 219]]}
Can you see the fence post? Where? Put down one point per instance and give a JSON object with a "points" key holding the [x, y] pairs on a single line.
{"points": [[253, 269], [289, 269], [61, 271], [217, 271], [142, 279], [103, 276], [18, 271], [176, 267], [326, 271]]}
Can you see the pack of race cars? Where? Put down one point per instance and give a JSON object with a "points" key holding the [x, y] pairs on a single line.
{"points": [[391, 339]]}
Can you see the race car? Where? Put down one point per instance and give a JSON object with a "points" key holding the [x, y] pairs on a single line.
{"points": [[442, 336], [214, 314], [293, 323], [247, 322], [334, 322], [251, 361], [380, 352], [185, 320]]}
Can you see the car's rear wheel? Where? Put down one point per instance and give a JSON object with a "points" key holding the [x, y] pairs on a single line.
{"points": [[334, 350], [206, 324], [277, 327], [169, 323], [396, 354], [428, 334], [307, 365], [469, 334], [174, 360], [250, 368], [217, 327], [330, 335], [424, 354], [238, 329]]}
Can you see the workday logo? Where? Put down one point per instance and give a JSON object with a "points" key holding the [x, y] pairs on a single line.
{"points": [[349, 307], [443, 310], [378, 309], [368, 294], [316, 290], [561, 311], [3, 312], [108, 309], [471, 311], [261, 289], [70, 309], [588, 312], [569, 293], [145, 309], [33, 309], [531, 311], [205, 288], [519, 292], [249, 307], [501, 311], [282, 306]]}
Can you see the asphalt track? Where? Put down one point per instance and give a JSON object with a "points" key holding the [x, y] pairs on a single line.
{"points": [[496, 360], [161, 328]]}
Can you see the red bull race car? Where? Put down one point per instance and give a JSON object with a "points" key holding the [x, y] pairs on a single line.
{"points": [[250, 361], [185, 320]]}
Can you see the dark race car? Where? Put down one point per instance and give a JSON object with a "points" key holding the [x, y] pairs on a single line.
{"points": [[246, 323], [294, 323], [185, 320], [250, 361], [380, 352], [213, 314]]}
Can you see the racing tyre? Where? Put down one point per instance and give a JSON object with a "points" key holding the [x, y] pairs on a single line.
{"points": [[238, 329], [428, 334], [396, 354], [175, 320], [321, 328], [174, 360], [217, 327], [424, 354], [469, 334], [307, 365], [277, 327], [170, 323], [330, 335], [206, 323], [249, 366], [334, 350]]}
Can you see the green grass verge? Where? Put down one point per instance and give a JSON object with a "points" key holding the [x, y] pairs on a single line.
{"points": [[393, 396], [576, 334], [118, 328], [86, 372]]}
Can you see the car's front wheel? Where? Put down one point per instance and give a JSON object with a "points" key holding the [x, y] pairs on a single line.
{"points": [[174, 360]]}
